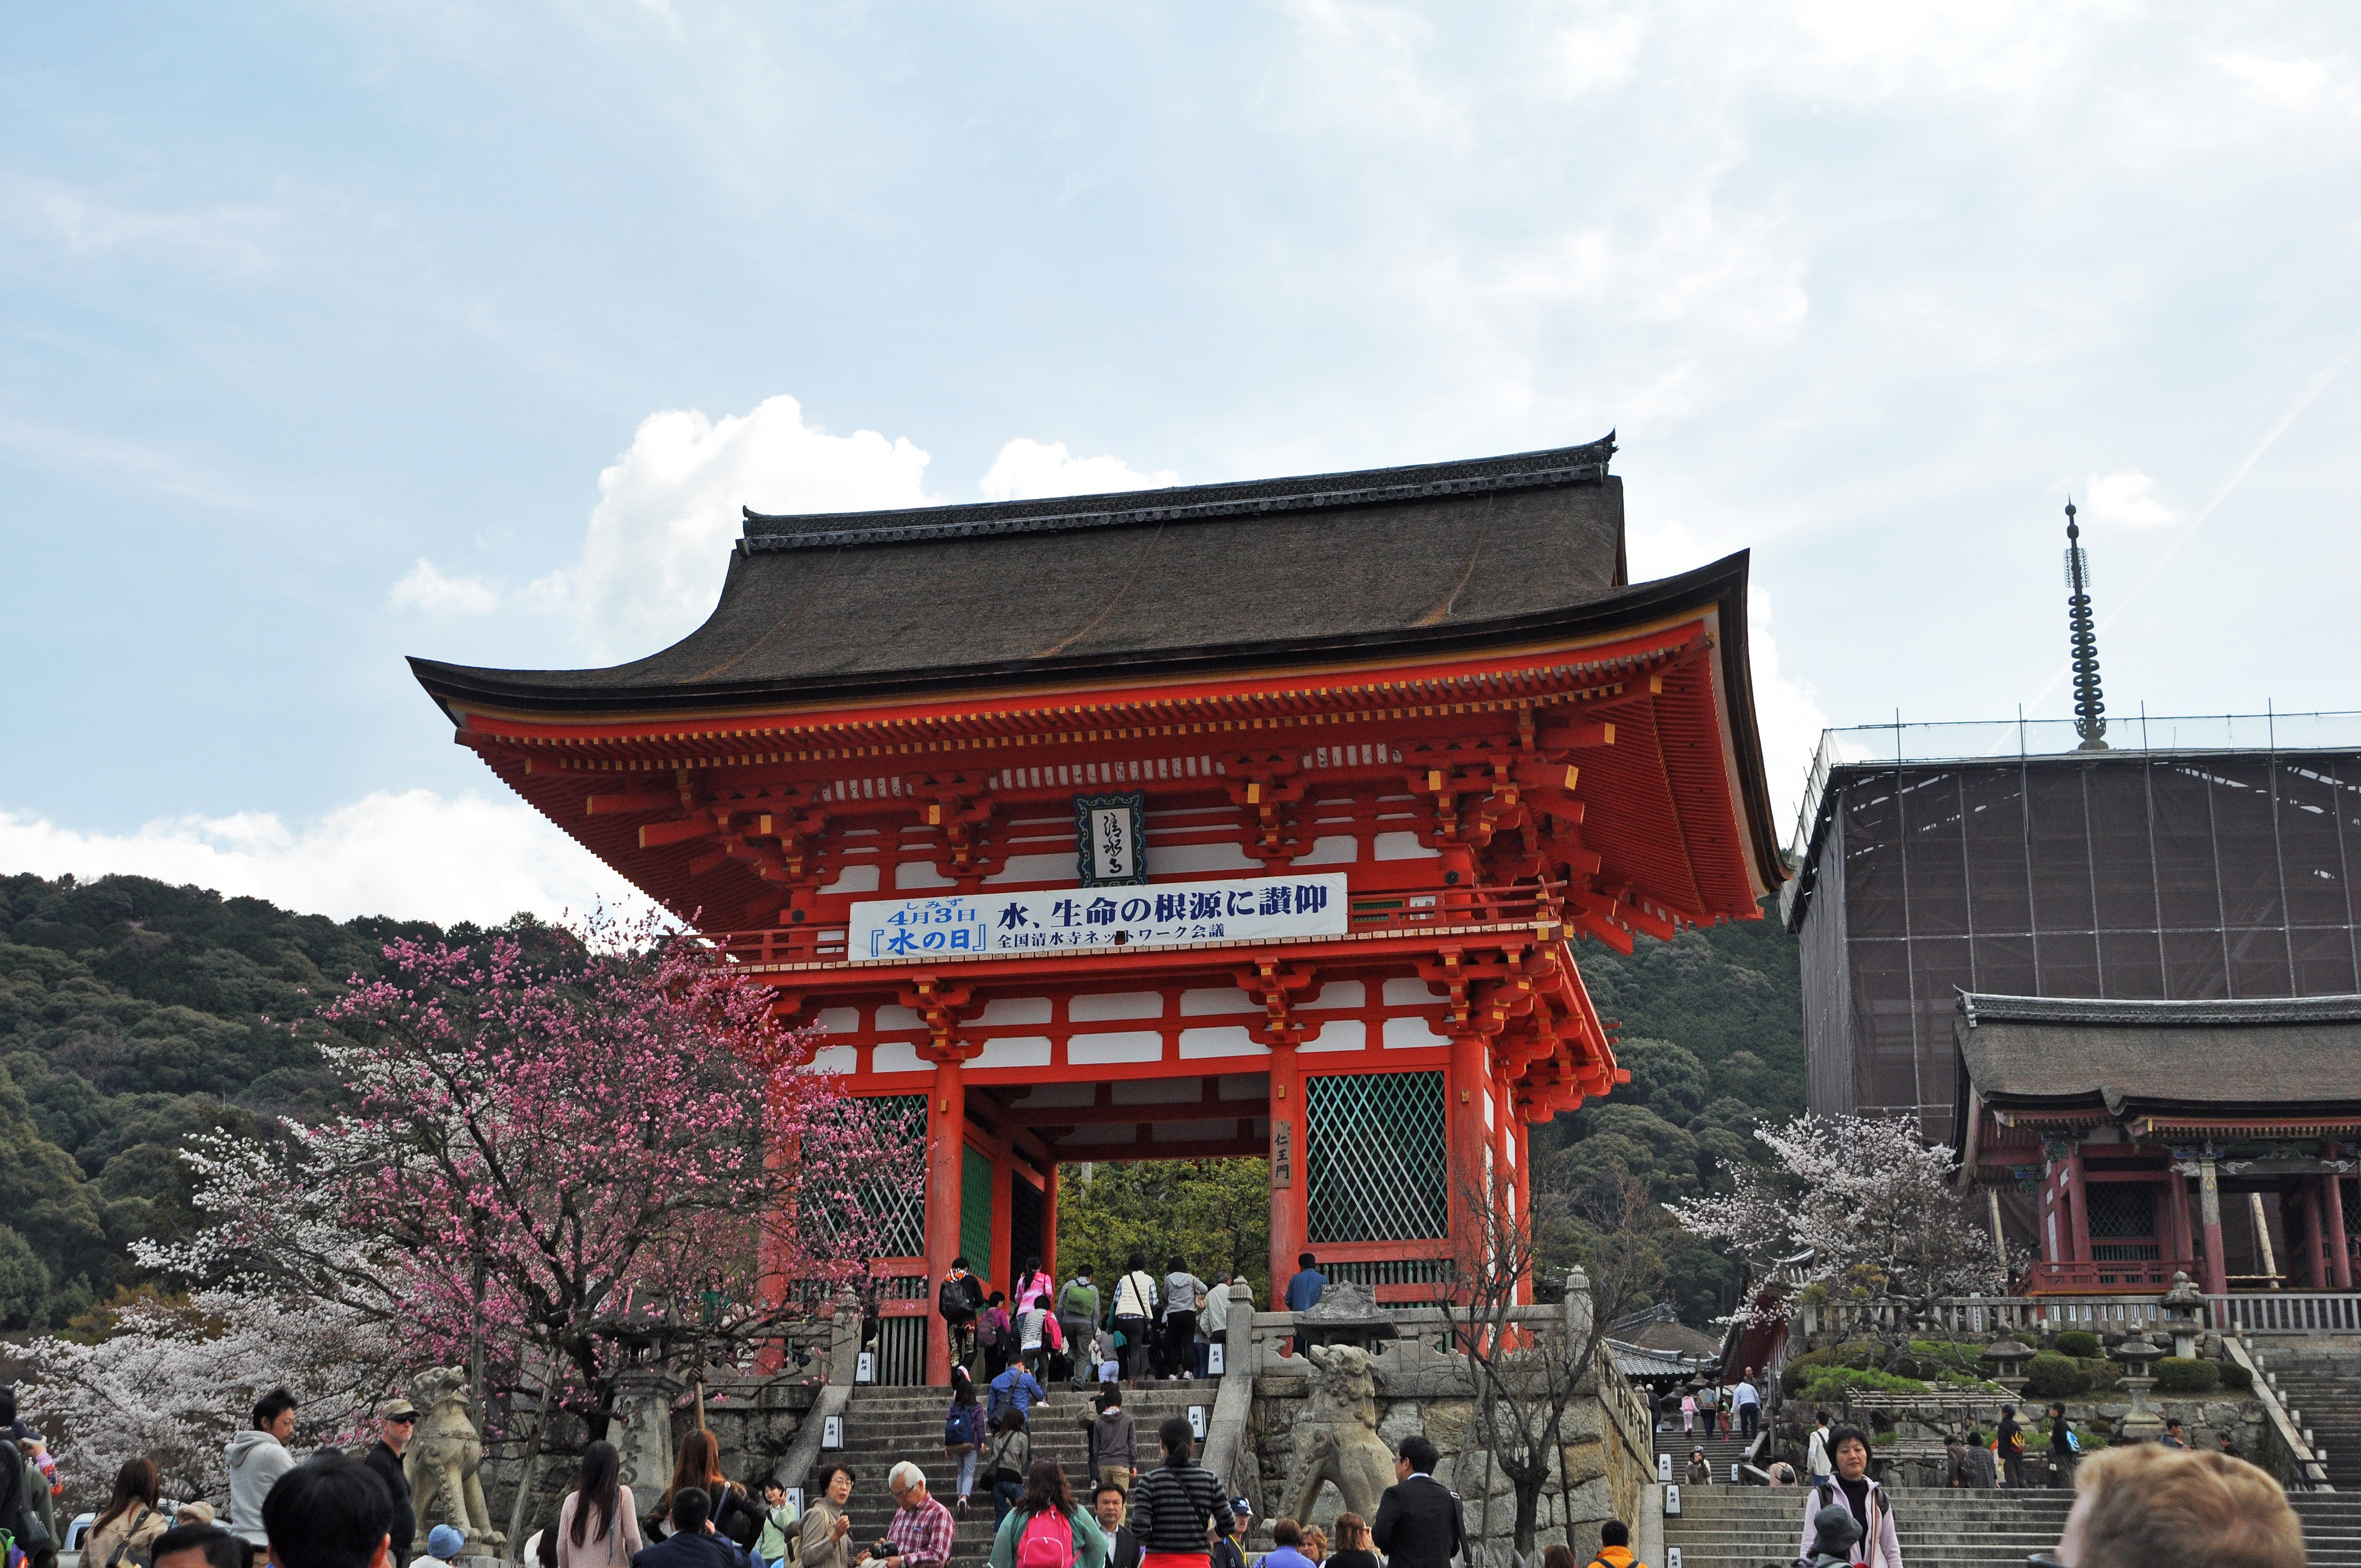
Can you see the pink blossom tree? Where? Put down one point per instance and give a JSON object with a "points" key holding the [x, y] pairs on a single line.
{"points": [[553, 1171]]}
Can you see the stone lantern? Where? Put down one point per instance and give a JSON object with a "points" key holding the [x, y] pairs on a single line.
{"points": [[2138, 1355], [2184, 1314], [2008, 1354]]}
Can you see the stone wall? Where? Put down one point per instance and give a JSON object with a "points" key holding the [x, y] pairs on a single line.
{"points": [[1907, 1433], [1605, 1460]]}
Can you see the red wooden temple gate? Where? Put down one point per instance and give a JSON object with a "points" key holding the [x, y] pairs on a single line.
{"points": [[1235, 819]]}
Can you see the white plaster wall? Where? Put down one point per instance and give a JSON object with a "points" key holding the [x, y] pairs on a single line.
{"points": [[1229, 1040], [1139, 1045], [1103, 1006]]}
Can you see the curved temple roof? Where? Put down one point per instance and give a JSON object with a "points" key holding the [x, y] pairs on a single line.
{"points": [[1187, 580], [1383, 569]]}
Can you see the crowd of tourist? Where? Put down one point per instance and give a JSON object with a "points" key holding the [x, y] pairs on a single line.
{"points": [[1141, 1326], [2149, 1504]]}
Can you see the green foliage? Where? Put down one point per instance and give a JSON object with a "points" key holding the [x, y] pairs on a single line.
{"points": [[1215, 1213], [132, 1014], [2077, 1343], [2050, 1375], [2186, 1374], [24, 1283], [1833, 1383], [1713, 1036], [2234, 1376]]}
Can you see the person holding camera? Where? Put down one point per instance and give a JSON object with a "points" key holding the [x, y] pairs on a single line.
{"points": [[922, 1529]]}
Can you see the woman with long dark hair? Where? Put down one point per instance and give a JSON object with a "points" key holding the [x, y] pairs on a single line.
{"points": [[599, 1522], [133, 1518], [964, 1430], [1007, 1463], [1048, 1508], [699, 1465], [1173, 1504]]}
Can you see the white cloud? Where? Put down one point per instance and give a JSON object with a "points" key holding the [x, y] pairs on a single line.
{"points": [[1787, 714], [2126, 500], [1590, 59], [1027, 469], [668, 513], [2297, 83], [426, 587], [412, 855]]}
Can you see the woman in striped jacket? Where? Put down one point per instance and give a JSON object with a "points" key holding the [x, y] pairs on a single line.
{"points": [[1173, 1505]]}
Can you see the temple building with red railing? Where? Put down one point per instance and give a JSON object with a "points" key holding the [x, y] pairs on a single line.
{"points": [[1254, 819]]}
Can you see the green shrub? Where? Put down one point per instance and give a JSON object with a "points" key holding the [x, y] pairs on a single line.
{"points": [[2186, 1374], [1834, 1383], [2234, 1375], [2077, 1343], [2053, 1377]]}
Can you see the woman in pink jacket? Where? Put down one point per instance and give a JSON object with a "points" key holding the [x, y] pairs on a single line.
{"points": [[1878, 1546]]}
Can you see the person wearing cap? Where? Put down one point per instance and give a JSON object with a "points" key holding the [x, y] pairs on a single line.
{"points": [[444, 1542], [394, 1425], [1225, 1550]]}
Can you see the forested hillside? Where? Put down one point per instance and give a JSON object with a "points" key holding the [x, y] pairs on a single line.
{"points": [[1713, 1031], [133, 1013]]}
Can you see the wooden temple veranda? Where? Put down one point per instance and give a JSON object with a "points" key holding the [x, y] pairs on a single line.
{"points": [[1256, 818]]}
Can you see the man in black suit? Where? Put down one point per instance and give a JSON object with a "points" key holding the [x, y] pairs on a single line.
{"points": [[1123, 1547], [1418, 1523]]}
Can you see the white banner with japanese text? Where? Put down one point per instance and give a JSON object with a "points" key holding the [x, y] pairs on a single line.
{"points": [[1159, 914]]}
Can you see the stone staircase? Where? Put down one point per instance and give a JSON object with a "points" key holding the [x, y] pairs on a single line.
{"points": [[2320, 1386], [1720, 1453], [1732, 1527], [883, 1426]]}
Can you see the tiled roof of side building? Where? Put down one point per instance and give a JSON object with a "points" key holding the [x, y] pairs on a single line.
{"points": [[2285, 1054], [1449, 559]]}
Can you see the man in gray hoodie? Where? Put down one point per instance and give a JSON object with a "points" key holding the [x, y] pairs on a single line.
{"points": [[257, 1457]]}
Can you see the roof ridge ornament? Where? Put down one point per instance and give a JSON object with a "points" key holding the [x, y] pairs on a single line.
{"points": [[2089, 710]]}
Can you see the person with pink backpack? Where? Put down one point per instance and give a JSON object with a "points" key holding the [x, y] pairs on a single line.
{"points": [[1047, 1529]]}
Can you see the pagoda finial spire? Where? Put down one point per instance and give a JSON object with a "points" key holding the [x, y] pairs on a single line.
{"points": [[2090, 708]]}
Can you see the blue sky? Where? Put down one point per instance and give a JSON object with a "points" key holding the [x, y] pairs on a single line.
{"points": [[333, 332]]}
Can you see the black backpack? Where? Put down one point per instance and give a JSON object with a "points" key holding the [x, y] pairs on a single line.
{"points": [[951, 1301]]}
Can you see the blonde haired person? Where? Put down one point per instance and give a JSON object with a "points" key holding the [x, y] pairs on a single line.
{"points": [[2151, 1506], [1352, 1544]]}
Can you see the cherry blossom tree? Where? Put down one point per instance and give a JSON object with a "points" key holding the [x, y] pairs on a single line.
{"points": [[174, 1376], [550, 1171], [1855, 1204]]}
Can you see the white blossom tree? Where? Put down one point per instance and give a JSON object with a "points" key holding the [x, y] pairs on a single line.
{"points": [[177, 1374], [1859, 1205]]}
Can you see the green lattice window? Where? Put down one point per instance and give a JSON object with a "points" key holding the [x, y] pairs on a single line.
{"points": [[1375, 1167], [896, 1220]]}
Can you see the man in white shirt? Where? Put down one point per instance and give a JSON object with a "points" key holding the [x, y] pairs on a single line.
{"points": [[1817, 1459], [1748, 1403]]}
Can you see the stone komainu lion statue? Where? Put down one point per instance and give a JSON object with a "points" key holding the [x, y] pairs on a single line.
{"points": [[443, 1459], [1336, 1437]]}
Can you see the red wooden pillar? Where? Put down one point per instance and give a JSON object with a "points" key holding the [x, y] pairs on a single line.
{"points": [[1465, 1138], [2076, 1190], [2184, 1242], [1521, 1141], [2340, 1248], [2319, 1258], [1288, 1214], [2209, 1211], [946, 1153]]}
